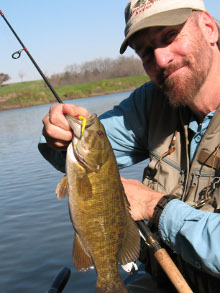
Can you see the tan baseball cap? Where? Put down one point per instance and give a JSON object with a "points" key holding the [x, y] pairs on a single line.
{"points": [[140, 14]]}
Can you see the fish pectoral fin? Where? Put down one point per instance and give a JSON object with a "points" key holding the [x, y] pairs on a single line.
{"points": [[84, 187], [81, 258], [130, 247], [62, 188]]}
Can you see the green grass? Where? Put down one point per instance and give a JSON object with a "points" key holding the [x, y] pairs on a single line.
{"points": [[25, 94]]}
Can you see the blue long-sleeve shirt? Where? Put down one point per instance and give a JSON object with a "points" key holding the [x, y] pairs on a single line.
{"points": [[193, 234]]}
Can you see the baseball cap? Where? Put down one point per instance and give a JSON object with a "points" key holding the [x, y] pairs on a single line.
{"points": [[141, 14]]}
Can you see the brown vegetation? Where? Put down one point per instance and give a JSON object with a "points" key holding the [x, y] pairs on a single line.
{"points": [[99, 69], [4, 77]]}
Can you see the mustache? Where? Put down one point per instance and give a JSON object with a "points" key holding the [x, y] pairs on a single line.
{"points": [[164, 73]]}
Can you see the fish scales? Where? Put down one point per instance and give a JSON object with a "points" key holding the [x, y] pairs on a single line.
{"points": [[105, 233]]}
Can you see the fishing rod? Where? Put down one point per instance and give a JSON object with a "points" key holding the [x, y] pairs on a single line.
{"points": [[60, 281], [160, 254], [164, 259], [17, 54]]}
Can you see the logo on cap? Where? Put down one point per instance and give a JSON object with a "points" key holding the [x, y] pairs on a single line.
{"points": [[140, 2]]}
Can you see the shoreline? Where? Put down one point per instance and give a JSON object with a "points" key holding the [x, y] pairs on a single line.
{"points": [[35, 93], [20, 106]]}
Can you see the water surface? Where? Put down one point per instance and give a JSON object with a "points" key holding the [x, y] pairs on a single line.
{"points": [[36, 234]]}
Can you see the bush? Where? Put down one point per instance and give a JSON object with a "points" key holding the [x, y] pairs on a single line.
{"points": [[4, 77]]}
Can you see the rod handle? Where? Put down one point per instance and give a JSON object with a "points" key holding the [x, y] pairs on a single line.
{"points": [[60, 281], [172, 271]]}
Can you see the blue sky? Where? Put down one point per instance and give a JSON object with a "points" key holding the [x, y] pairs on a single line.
{"points": [[60, 33]]}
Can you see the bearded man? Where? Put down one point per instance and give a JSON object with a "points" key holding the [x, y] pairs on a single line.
{"points": [[174, 120]]}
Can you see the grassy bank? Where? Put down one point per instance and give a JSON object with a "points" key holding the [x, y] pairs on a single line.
{"points": [[32, 93]]}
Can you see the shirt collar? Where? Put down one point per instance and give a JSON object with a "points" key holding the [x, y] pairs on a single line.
{"points": [[195, 126]]}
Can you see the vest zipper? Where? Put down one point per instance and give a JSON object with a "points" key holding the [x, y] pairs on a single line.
{"points": [[196, 175], [167, 161], [177, 167]]}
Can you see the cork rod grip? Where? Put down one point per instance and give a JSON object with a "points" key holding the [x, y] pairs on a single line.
{"points": [[172, 271]]}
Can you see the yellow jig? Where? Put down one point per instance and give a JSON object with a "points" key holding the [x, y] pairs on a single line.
{"points": [[83, 125]]}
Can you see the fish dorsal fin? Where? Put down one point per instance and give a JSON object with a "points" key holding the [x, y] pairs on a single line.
{"points": [[130, 247], [62, 188], [81, 258]]}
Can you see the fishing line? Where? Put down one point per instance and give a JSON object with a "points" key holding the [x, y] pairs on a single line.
{"points": [[17, 55]]}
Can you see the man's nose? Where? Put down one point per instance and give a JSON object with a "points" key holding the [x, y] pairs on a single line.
{"points": [[163, 56]]}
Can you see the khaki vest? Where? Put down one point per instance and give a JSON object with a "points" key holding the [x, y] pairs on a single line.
{"points": [[170, 172]]}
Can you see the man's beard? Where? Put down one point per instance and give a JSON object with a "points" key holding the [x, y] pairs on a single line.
{"points": [[181, 90]]}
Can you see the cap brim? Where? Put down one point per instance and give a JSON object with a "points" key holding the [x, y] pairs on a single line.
{"points": [[167, 18]]}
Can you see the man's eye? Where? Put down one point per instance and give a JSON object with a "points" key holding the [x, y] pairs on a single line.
{"points": [[169, 36]]}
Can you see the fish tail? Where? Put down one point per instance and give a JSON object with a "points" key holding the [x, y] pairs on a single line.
{"points": [[118, 287]]}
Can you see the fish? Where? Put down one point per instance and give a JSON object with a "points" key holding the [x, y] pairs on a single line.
{"points": [[105, 233]]}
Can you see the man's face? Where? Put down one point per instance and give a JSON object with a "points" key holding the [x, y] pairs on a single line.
{"points": [[176, 58]]}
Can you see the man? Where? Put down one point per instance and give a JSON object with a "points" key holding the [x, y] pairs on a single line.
{"points": [[173, 120]]}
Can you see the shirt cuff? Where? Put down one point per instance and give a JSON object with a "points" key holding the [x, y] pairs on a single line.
{"points": [[172, 219]]}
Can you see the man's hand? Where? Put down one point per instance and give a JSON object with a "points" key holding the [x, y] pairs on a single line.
{"points": [[142, 199], [57, 131]]}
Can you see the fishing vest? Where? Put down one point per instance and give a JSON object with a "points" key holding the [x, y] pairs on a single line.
{"points": [[171, 172]]}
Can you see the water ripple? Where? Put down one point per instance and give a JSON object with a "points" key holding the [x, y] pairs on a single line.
{"points": [[36, 235]]}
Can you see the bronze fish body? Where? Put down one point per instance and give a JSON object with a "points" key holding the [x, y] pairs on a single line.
{"points": [[105, 232]]}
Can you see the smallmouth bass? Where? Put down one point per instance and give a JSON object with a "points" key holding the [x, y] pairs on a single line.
{"points": [[105, 233]]}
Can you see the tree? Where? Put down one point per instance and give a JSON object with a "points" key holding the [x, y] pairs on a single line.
{"points": [[21, 75], [4, 77], [98, 69]]}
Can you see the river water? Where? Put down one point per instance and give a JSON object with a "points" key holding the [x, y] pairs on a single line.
{"points": [[36, 234]]}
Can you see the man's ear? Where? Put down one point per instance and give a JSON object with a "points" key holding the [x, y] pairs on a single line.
{"points": [[209, 27]]}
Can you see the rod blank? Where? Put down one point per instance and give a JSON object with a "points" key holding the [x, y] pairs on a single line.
{"points": [[33, 61]]}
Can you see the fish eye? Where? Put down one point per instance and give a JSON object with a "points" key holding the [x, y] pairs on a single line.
{"points": [[100, 134]]}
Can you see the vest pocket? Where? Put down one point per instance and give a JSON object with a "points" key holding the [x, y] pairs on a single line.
{"points": [[204, 192], [164, 175]]}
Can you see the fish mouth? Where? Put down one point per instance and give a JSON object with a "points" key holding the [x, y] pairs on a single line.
{"points": [[76, 125]]}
